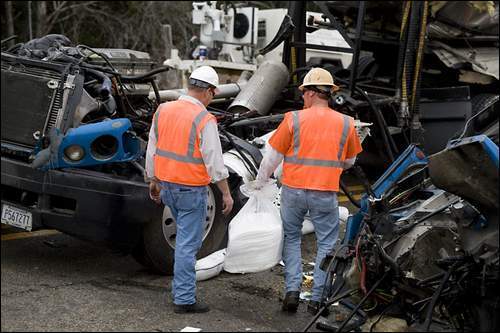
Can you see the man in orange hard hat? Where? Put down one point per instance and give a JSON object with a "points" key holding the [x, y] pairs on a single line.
{"points": [[183, 156], [315, 144]]}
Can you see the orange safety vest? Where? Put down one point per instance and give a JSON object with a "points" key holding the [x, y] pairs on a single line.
{"points": [[315, 158], [178, 157]]}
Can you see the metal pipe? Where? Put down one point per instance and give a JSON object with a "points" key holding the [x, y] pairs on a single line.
{"points": [[252, 47], [362, 301], [386, 136], [225, 91], [145, 76], [320, 311], [30, 21], [348, 194], [249, 164], [357, 49], [262, 90], [324, 8], [435, 297]]}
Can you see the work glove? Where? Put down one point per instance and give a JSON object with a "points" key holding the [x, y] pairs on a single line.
{"points": [[255, 186]]}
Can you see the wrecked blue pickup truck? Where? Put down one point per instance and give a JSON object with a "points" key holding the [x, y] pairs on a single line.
{"points": [[75, 124]]}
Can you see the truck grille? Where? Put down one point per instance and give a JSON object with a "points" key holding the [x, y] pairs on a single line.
{"points": [[31, 102]]}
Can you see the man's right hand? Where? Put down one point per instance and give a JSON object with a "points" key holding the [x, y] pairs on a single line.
{"points": [[227, 200], [154, 191], [227, 203], [256, 185]]}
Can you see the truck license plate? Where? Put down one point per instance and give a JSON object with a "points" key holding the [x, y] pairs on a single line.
{"points": [[16, 217]]}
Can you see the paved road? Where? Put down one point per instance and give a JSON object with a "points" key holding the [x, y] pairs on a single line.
{"points": [[53, 282], [57, 283]]}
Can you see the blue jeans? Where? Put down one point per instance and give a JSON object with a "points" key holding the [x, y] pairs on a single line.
{"points": [[324, 212], [188, 205]]}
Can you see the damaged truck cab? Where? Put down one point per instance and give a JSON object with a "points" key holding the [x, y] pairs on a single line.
{"points": [[74, 133]]}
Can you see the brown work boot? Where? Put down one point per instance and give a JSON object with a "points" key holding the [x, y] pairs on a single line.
{"points": [[198, 307], [291, 301]]}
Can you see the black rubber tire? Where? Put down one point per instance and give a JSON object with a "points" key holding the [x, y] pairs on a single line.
{"points": [[140, 255], [156, 253], [479, 125], [366, 67], [481, 102]]}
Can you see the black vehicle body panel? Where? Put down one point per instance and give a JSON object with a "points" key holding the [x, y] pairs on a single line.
{"points": [[86, 204]]}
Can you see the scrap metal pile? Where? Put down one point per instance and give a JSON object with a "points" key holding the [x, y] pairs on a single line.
{"points": [[423, 247]]}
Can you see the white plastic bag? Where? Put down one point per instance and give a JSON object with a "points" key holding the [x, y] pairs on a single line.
{"points": [[308, 226], [210, 266], [255, 233]]}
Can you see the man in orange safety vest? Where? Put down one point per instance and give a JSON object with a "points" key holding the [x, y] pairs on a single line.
{"points": [[315, 144], [183, 156]]}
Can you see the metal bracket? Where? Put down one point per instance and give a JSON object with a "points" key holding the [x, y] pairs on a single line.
{"points": [[69, 82], [334, 22]]}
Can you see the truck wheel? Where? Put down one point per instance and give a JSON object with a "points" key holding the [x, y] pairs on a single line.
{"points": [[159, 236], [489, 106], [140, 255]]}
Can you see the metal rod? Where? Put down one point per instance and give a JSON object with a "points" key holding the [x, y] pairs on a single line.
{"points": [[299, 35], [334, 22], [156, 91], [252, 47], [348, 194], [8, 39], [224, 91], [362, 301], [30, 21], [316, 316], [322, 47], [430, 279], [435, 297], [243, 156], [357, 49]]}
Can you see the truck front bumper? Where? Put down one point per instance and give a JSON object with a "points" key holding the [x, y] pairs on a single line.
{"points": [[86, 204]]}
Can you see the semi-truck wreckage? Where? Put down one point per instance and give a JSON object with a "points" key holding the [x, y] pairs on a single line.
{"points": [[421, 82]]}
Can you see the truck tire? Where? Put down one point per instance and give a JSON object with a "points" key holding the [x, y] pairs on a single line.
{"points": [[489, 106], [157, 250], [139, 254], [480, 103]]}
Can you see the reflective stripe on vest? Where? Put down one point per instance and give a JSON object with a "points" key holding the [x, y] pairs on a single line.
{"points": [[343, 139], [316, 162], [189, 157]]}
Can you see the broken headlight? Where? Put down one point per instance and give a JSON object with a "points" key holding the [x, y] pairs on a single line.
{"points": [[104, 147], [74, 153]]}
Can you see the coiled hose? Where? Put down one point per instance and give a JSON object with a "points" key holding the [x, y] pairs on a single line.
{"points": [[415, 94], [401, 91]]}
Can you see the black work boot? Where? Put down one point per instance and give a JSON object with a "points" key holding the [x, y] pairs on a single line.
{"points": [[198, 307], [291, 301], [314, 306]]}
